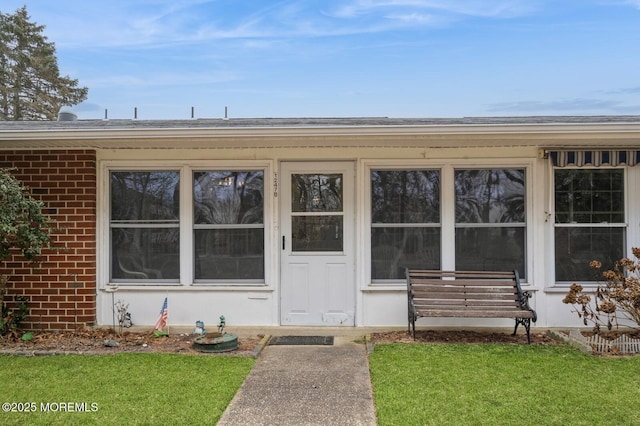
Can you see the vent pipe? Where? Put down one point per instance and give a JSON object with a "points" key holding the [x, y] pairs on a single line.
{"points": [[65, 114]]}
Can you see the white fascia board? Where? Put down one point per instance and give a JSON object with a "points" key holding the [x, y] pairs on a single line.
{"points": [[105, 138]]}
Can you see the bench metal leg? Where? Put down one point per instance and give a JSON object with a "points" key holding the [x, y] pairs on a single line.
{"points": [[412, 326], [526, 322]]}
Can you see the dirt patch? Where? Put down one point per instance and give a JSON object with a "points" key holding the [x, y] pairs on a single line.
{"points": [[97, 341], [460, 336], [92, 341]]}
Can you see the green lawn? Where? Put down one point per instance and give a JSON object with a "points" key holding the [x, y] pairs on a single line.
{"points": [[126, 389], [414, 384], [457, 384]]}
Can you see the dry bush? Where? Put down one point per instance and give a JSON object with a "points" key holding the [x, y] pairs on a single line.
{"points": [[616, 299]]}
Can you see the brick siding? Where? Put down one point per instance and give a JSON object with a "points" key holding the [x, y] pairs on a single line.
{"points": [[61, 290]]}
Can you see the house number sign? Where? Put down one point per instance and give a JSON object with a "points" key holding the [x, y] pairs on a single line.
{"points": [[275, 185]]}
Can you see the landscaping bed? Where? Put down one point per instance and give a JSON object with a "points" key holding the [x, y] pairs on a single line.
{"points": [[92, 341]]}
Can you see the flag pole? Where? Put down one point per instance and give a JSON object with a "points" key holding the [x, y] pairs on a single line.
{"points": [[167, 297]]}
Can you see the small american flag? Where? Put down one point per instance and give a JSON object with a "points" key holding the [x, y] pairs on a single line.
{"points": [[162, 319]]}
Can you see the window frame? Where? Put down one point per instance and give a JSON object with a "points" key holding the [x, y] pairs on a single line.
{"points": [[498, 225], [142, 224], [628, 175], [447, 208], [186, 223], [226, 226], [399, 225]]}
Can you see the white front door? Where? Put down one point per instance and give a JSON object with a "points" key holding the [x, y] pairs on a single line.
{"points": [[317, 243]]}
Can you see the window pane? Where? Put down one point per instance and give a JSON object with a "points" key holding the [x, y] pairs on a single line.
{"points": [[490, 196], [490, 249], [229, 253], [395, 248], [589, 196], [405, 196], [228, 197], [316, 233], [145, 196], [316, 192], [145, 253], [576, 247]]}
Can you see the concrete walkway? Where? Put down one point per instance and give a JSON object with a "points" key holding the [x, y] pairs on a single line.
{"points": [[306, 385]]}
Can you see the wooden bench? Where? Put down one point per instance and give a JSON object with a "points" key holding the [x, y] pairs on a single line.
{"points": [[468, 294]]}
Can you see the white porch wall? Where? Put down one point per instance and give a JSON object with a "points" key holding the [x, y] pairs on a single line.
{"points": [[374, 306], [185, 307]]}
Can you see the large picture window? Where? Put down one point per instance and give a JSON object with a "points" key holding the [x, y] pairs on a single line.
{"points": [[589, 221], [405, 216], [228, 225], [490, 212], [187, 226], [145, 226]]}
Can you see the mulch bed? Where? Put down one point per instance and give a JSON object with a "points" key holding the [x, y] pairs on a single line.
{"points": [[461, 336], [92, 341]]}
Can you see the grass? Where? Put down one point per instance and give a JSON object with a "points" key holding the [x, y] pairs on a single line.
{"points": [[427, 384], [126, 388]]}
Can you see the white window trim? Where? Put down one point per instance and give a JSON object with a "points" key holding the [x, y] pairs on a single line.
{"points": [[447, 213], [186, 168], [631, 181]]}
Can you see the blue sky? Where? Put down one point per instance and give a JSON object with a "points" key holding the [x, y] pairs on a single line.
{"points": [[346, 58]]}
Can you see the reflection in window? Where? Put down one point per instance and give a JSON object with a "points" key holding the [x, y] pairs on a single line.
{"points": [[144, 225], [229, 225], [316, 233], [490, 219], [405, 215], [316, 193], [316, 212], [595, 198]]}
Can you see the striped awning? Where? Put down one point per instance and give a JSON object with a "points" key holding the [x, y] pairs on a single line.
{"points": [[578, 158]]}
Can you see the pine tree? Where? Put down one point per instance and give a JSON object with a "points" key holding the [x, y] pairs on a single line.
{"points": [[31, 87]]}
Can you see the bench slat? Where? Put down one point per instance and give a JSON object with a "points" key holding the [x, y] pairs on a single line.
{"points": [[418, 273], [466, 290], [465, 302], [479, 314]]}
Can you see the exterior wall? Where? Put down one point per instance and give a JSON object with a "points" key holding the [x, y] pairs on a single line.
{"points": [[74, 184], [61, 290], [376, 304]]}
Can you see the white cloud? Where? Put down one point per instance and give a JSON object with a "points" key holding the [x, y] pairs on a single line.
{"points": [[149, 23], [478, 8]]}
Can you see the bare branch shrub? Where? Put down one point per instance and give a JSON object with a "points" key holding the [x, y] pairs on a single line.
{"points": [[616, 299]]}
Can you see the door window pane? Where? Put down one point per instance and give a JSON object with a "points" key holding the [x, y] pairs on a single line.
{"points": [[316, 233], [316, 192], [311, 196]]}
